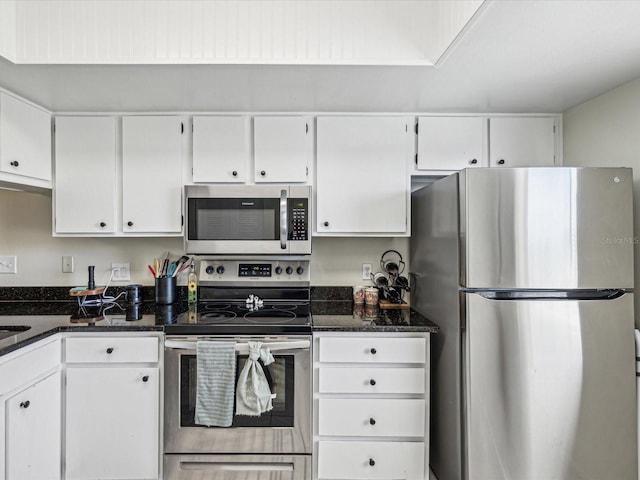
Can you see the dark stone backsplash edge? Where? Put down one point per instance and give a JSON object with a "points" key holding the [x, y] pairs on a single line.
{"points": [[61, 294]]}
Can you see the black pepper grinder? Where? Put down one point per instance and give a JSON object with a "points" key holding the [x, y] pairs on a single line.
{"points": [[92, 282]]}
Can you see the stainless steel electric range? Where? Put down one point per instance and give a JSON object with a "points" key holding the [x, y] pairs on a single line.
{"points": [[243, 300]]}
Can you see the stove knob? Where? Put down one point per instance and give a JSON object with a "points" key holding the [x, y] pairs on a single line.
{"points": [[209, 270], [278, 270], [299, 270], [289, 270], [220, 269]]}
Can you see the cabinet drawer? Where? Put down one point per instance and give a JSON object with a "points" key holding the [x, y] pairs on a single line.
{"points": [[373, 350], [371, 418], [26, 367], [371, 380], [112, 350], [371, 460]]}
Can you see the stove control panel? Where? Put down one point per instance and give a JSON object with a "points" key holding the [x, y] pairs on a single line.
{"points": [[212, 271], [254, 270]]}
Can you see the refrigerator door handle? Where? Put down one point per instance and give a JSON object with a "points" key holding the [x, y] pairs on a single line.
{"points": [[603, 294]]}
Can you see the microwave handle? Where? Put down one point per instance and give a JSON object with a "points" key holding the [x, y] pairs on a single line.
{"points": [[284, 224]]}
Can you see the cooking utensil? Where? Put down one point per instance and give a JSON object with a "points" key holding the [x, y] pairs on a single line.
{"points": [[379, 279]]}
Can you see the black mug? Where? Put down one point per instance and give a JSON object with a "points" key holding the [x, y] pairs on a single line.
{"points": [[134, 293]]}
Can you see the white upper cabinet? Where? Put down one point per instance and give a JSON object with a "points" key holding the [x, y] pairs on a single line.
{"points": [[362, 182], [152, 174], [25, 141], [522, 141], [221, 149], [85, 175], [283, 149], [451, 143]]}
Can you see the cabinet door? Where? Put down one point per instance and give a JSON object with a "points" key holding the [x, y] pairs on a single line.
{"points": [[283, 149], [221, 147], [152, 174], [362, 174], [112, 418], [33, 434], [25, 139], [451, 143], [522, 142], [85, 180]]}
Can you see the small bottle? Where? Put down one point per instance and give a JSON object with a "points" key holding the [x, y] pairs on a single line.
{"points": [[192, 286]]}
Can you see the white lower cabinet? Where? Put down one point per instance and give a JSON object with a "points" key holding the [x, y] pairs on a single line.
{"points": [[33, 433], [112, 408], [372, 460], [30, 412], [371, 406]]}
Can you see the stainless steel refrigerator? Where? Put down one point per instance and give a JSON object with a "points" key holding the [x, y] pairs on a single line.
{"points": [[529, 274]]}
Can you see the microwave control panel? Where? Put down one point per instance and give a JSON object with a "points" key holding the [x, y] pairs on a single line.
{"points": [[298, 215]]}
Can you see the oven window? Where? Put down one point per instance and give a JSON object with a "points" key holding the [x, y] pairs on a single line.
{"points": [[234, 219], [279, 374]]}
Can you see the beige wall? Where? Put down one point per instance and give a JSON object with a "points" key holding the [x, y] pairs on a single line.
{"points": [[25, 231], [605, 131]]}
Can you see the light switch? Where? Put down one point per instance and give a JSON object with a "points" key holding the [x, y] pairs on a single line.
{"points": [[67, 264]]}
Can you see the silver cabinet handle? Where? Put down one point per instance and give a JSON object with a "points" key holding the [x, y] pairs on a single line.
{"points": [[238, 467], [242, 347], [283, 219]]}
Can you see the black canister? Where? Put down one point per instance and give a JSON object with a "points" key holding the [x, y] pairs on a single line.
{"points": [[166, 290], [134, 293]]}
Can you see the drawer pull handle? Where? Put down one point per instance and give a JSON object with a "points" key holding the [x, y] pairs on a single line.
{"points": [[25, 404], [373, 351], [372, 382], [15, 163], [372, 421], [145, 378], [110, 350], [372, 462]]}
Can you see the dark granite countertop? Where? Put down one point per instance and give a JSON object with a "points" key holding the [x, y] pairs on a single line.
{"points": [[51, 317], [344, 316], [46, 311]]}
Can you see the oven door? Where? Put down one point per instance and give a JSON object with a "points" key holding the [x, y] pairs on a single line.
{"points": [[255, 219], [285, 429]]}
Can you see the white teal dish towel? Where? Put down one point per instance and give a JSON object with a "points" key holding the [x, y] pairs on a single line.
{"points": [[216, 371]]}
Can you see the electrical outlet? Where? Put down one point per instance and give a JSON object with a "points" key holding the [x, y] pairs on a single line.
{"points": [[366, 271], [121, 272], [9, 264], [67, 264]]}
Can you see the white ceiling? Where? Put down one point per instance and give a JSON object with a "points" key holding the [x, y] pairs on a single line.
{"points": [[518, 56]]}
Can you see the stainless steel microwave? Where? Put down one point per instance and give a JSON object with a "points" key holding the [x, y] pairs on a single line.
{"points": [[248, 219]]}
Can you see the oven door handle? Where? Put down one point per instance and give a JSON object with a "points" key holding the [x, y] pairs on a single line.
{"points": [[284, 223], [242, 347]]}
